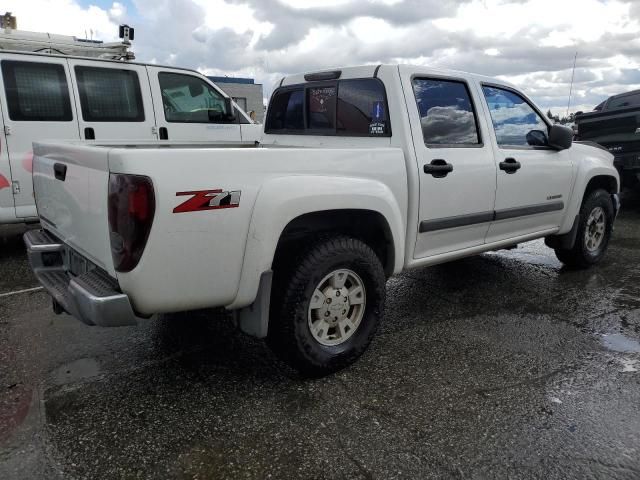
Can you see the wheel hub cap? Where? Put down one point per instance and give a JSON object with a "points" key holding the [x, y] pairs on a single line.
{"points": [[337, 307], [594, 233]]}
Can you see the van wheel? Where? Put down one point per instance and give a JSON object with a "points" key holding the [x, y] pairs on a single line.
{"points": [[594, 232], [326, 307]]}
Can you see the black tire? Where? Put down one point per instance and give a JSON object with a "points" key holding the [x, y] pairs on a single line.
{"points": [[290, 336], [580, 256]]}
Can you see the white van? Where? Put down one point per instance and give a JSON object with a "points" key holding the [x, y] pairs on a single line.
{"points": [[75, 98]]}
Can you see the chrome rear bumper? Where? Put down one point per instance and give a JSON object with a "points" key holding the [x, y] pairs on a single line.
{"points": [[92, 297]]}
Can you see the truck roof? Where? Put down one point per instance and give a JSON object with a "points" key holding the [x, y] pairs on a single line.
{"points": [[363, 71]]}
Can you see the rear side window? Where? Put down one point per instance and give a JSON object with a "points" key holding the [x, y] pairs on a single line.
{"points": [[36, 92], [355, 107], [109, 95], [446, 112]]}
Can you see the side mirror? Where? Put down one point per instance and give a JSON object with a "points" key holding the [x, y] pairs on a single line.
{"points": [[537, 138], [560, 137]]}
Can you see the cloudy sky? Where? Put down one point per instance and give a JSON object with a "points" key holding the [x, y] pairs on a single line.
{"points": [[528, 42]]}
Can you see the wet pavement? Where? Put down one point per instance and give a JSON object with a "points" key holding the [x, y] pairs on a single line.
{"points": [[504, 365]]}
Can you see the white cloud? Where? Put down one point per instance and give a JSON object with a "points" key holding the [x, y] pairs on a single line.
{"points": [[65, 17], [528, 42]]}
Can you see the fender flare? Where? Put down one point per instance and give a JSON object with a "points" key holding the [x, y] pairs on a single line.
{"points": [[583, 177], [281, 200]]}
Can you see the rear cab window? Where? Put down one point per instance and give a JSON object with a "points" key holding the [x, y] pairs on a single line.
{"points": [[348, 107], [36, 92], [109, 94]]}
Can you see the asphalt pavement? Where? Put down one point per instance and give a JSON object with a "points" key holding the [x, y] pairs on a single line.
{"points": [[504, 365]]}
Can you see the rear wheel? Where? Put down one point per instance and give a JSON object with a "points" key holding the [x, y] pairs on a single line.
{"points": [[326, 306], [594, 232]]}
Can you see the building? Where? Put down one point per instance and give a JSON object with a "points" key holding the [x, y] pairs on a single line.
{"points": [[245, 92]]}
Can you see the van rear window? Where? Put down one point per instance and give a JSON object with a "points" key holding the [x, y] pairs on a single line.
{"points": [[354, 107], [36, 92], [109, 94]]}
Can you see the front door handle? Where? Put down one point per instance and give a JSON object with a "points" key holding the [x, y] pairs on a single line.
{"points": [[438, 168], [510, 165]]}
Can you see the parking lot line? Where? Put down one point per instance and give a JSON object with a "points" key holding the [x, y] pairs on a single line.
{"points": [[18, 292]]}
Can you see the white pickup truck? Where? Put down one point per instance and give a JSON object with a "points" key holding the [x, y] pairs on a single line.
{"points": [[362, 173]]}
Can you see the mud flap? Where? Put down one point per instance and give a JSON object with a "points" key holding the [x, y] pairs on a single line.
{"points": [[254, 319], [566, 241]]}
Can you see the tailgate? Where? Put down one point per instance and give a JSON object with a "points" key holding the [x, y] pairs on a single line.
{"points": [[70, 184], [603, 126]]}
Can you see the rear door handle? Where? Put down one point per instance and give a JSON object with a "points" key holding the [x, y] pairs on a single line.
{"points": [[510, 165], [60, 171], [438, 168]]}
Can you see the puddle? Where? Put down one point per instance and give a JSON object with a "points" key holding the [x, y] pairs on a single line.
{"points": [[629, 365], [620, 343]]}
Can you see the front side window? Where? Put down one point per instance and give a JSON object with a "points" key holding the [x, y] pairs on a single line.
{"points": [[36, 92], [353, 107], [446, 113], [515, 122], [109, 95], [189, 99]]}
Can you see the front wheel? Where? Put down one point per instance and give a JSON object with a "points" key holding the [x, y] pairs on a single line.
{"points": [[594, 232], [326, 307]]}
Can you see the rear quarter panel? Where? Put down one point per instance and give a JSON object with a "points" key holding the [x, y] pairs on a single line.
{"points": [[200, 259]]}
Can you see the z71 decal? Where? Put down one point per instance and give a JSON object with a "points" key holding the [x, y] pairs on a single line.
{"points": [[208, 200]]}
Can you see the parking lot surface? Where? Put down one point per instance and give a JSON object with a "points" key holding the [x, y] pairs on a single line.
{"points": [[504, 365]]}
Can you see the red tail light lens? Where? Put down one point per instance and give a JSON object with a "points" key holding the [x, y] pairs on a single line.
{"points": [[132, 205]]}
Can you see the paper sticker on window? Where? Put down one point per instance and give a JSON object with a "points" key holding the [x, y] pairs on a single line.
{"points": [[376, 128], [322, 107], [321, 99]]}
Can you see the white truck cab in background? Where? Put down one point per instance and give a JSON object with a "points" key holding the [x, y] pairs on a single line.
{"points": [[60, 97]]}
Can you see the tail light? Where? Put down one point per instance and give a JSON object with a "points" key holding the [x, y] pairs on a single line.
{"points": [[132, 205]]}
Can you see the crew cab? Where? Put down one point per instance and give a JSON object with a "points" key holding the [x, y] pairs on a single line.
{"points": [[362, 172]]}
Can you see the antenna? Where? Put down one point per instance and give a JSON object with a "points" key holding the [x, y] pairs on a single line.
{"points": [[573, 72]]}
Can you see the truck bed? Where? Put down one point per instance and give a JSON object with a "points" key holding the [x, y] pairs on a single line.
{"points": [[206, 244]]}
